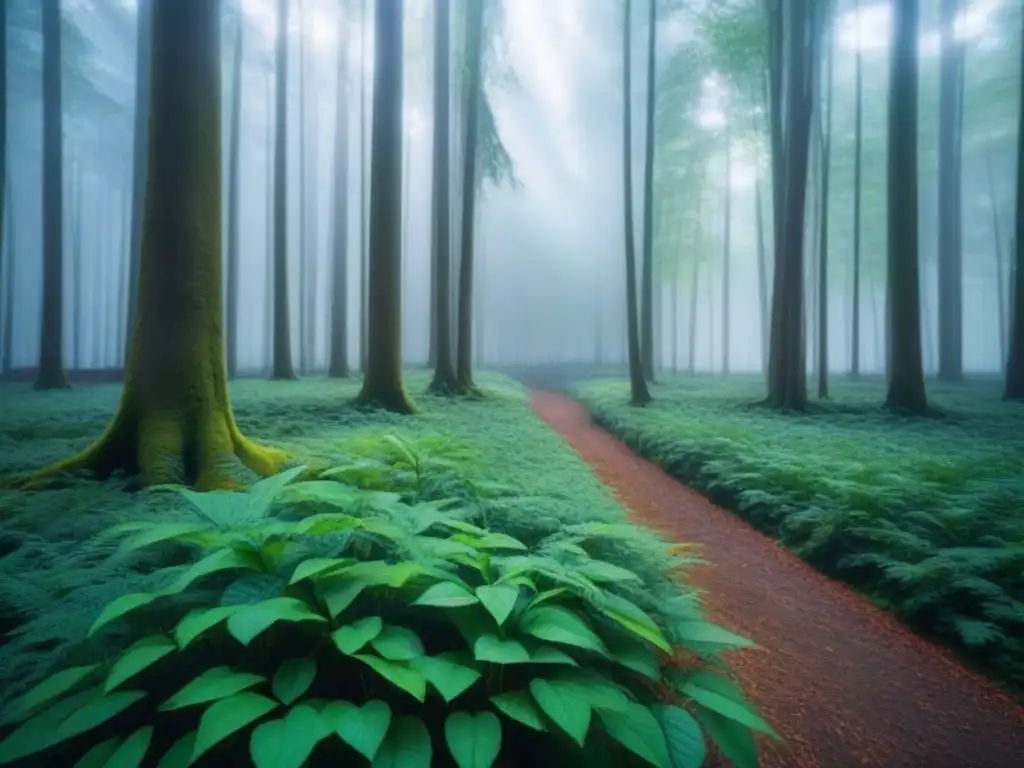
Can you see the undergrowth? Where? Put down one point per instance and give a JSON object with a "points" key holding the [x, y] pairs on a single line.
{"points": [[400, 592], [925, 516]]}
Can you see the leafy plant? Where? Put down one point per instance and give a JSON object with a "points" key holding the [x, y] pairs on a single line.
{"points": [[353, 624]]}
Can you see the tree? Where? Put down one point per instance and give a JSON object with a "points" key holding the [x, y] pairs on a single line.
{"points": [[638, 392], [647, 265], [1014, 387], [825, 142], [234, 172], [337, 366], [382, 383], [857, 171], [906, 371], [444, 381], [726, 250], [174, 422], [282, 363], [51, 348]]}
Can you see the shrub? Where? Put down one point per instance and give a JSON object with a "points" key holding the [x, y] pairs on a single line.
{"points": [[323, 621]]}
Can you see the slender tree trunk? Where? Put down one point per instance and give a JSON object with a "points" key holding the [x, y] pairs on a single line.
{"points": [[51, 347], [302, 263], [234, 172], [647, 275], [1014, 387], [312, 251], [825, 128], [268, 289], [857, 171], [997, 253], [10, 275], [6, 254], [76, 261], [691, 363], [727, 253], [125, 252], [282, 363], [364, 254], [906, 373], [762, 272], [337, 366]]}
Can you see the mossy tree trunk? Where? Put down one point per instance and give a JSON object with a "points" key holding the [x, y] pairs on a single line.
{"points": [[1014, 388], [906, 370], [444, 381], [647, 267], [282, 367], [174, 422], [234, 229], [51, 373], [382, 383], [337, 366]]}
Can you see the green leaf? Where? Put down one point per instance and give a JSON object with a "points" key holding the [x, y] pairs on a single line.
{"points": [[289, 741], [263, 492], [326, 523], [293, 679], [600, 571], [397, 643], [637, 729], [97, 711], [249, 621], [119, 608], [409, 680], [735, 740], [222, 508], [497, 651], [136, 658], [561, 703], [683, 736], [253, 588], [490, 540], [560, 625], [362, 728], [180, 753], [98, 756], [595, 689], [351, 638], [446, 675], [228, 716], [545, 654], [339, 595], [446, 595], [213, 684], [318, 566], [156, 533], [407, 745], [499, 600], [221, 560], [520, 707], [625, 613], [706, 633], [39, 732], [547, 594], [195, 622], [473, 740], [132, 750], [55, 685], [638, 658], [713, 693]]}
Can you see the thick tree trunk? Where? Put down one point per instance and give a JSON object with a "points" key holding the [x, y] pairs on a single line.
{"points": [[337, 365], [382, 384], [857, 153], [1014, 388], [727, 253], [906, 373], [647, 267], [51, 346], [997, 254], [175, 421], [282, 364], [234, 172], [825, 128], [6, 254]]}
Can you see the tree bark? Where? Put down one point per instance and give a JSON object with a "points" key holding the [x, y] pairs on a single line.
{"points": [[364, 254], [762, 272], [268, 289], [726, 253], [9, 244], [382, 384], [6, 254], [303, 260], [857, 153], [647, 274], [174, 422], [282, 364], [337, 366], [234, 172], [906, 373], [997, 254], [1014, 387], [825, 129]]}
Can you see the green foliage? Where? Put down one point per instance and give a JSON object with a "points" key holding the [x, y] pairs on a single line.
{"points": [[923, 516]]}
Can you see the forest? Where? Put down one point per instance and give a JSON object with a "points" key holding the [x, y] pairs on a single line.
{"points": [[474, 383]]}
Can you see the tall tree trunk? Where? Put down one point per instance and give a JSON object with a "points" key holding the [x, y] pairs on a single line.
{"points": [[268, 289], [234, 215], [6, 254], [140, 151], [382, 384], [638, 393], [282, 363], [1014, 387], [950, 259], [76, 262], [9, 246], [444, 381], [364, 254], [647, 275], [479, 294], [857, 171], [474, 92], [302, 263], [825, 133], [124, 277], [906, 373], [175, 421], [51, 346], [337, 366], [997, 254], [312, 251], [726, 252], [762, 272]]}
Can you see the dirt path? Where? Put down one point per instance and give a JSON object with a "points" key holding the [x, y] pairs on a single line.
{"points": [[842, 681]]}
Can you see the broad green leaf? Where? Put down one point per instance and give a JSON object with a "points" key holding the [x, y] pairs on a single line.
{"points": [[499, 600], [132, 751], [97, 711], [407, 745], [55, 685], [263, 492], [326, 523], [353, 637], [545, 654], [734, 739], [289, 741], [381, 573], [713, 693], [195, 622], [223, 508], [293, 679], [318, 566], [600, 571], [683, 736], [249, 621], [520, 707], [362, 728], [221, 560], [159, 532], [136, 658], [409, 680], [446, 595], [253, 588], [706, 633], [39, 732], [180, 753], [462, 526], [548, 594], [228, 716], [637, 729], [638, 658], [490, 540], [497, 651], [622, 611], [473, 740], [213, 684], [397, 643], [339, 594], [119, 608], [98, 756], [597, 691], [556, 624], [562, 704], [446, 675]]}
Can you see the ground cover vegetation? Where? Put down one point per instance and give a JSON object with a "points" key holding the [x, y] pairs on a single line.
{"points": [[922, 515]]}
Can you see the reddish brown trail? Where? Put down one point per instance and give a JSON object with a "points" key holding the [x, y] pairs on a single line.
{"points": [[843, 682]]}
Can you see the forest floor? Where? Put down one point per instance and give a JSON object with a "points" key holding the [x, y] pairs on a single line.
{"points": [[846, 683]]}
